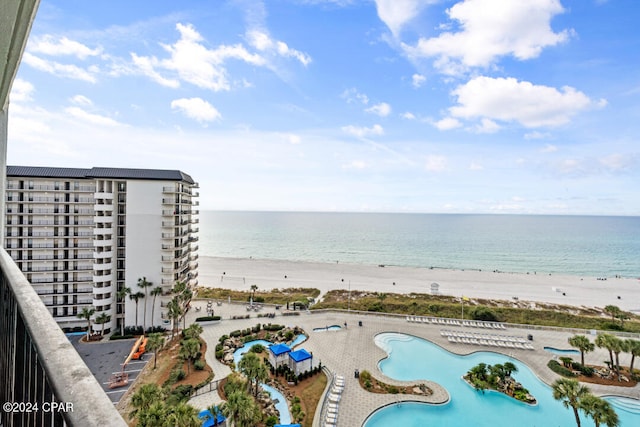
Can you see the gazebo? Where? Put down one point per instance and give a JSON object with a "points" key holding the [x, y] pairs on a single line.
{"points": [[300, 361], [278, 355]]}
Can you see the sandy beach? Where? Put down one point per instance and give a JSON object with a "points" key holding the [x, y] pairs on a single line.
{"points": [[235, 273]]}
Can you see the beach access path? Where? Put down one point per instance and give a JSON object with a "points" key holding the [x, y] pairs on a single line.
{"points": [[241, 273], [345, 350]]}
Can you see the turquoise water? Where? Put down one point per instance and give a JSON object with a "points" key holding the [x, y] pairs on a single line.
{"points": [[413, 359], [298, 340], [237, 355], [328, 328], [281, 406], [575, 245], [561, 352]]}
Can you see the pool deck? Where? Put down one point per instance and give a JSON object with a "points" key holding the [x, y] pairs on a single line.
{"points": [[351, 348]]}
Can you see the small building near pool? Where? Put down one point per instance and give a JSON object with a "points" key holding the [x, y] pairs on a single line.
{"points": [[279, 355], [300, 361]]}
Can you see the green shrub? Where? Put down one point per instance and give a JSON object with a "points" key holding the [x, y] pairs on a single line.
{"points": [[235, 334], [484, 314], [271, 421], [207, 318], [199, 365], [219, 354], [559, 369], [258, 348], [365, 375]]}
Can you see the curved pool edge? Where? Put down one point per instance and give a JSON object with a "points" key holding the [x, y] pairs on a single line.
{"points": [[400, 402]]}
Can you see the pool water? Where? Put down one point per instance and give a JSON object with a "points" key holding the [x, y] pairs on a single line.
{"points": [[412, 359], [298, 340], [281, 406], [237, 355], [328, 328], [561, 352]]}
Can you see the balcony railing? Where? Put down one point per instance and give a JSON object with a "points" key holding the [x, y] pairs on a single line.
{"points": [[38, 364]]}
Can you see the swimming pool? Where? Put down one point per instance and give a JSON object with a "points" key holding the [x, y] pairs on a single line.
{"points": [[281, 405], [561, 352], [298, 340], [412, 358], [328, 328], [237, 355]]}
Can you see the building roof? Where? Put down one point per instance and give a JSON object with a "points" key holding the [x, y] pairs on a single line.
{"points": [[278, 349], [300, 355], [96, 172]]}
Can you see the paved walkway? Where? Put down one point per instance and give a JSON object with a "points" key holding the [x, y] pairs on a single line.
{"points": [[345, 350]]}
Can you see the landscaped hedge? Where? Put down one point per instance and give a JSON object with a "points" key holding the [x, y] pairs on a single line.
{"points": [[559, 369], [208, 318]]}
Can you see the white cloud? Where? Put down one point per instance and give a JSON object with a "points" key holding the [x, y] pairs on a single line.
{"points": [[362, 132], [352, 95], [194, 63], [491, 29], [447, 123], [549, 148], [509, 100], [382, 109], [94, 119], [487, 126], [81, 100], [263, 42], [197, 109], [60, 70], [21, 91], [418, 80], [49, 45], [435, 163], [145, 65], [408, 115], [396, 13]]}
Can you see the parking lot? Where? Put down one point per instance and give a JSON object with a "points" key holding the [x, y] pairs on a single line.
{"points": [[106, 358]]}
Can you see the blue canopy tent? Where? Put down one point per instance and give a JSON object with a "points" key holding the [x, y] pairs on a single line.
{"points": [[209, 420]]}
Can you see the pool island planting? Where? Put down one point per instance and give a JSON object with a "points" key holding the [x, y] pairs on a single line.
{"points": [[498, 377]]}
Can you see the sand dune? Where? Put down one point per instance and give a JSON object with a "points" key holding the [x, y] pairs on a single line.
{"points": [[237, 273]]}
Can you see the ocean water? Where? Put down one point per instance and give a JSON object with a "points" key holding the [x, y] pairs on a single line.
{"points": [[577, 245]]}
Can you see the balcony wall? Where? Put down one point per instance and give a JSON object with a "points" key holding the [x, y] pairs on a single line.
{"points": [[38, 363]]}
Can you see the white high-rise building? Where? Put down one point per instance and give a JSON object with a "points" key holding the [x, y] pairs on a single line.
{"points": [[80, 236]]}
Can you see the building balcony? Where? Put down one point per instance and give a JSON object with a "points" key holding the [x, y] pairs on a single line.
{"points": [[34, 347]]}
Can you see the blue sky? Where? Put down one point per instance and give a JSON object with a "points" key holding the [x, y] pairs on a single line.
{"points": [[468, 106]]}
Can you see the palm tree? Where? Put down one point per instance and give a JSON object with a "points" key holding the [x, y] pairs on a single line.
{"points": [[510, 368], [155, 342], [235, 408], [153, 416], [122, 294], [144, 398], [189, 350], [86, 314], [583, 344], [193, 331], [618, 346], [174, 312], [571, 393], [606, 341], [254, 288], [142, 283], [136, 297], [248, 366], [613, 311], [600, 410], [214, 410], [183, 415], [633, 347], [154, 293], [101, 319]]}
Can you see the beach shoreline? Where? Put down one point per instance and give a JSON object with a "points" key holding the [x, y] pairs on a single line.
{"points": [[241, 273]]}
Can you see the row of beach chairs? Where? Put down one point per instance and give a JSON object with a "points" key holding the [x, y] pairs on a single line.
{"points": [[335, 395], [454, 322], [487, 339]]}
